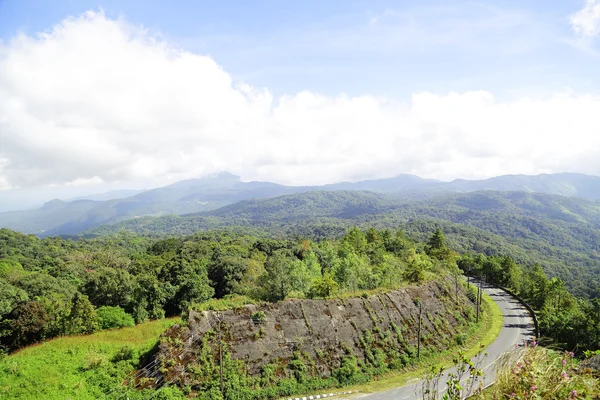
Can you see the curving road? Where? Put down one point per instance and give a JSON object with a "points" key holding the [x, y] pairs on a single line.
{"points": [[518, 327]]}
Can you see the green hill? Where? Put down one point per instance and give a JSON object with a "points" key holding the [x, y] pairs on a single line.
{"points": [[561, 233], [199, 195]]}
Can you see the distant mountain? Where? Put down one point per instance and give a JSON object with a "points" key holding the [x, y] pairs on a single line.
{"points": [[199, 195], [565, 184], [183, 197], [400, 183], [560, 232], [110, 195], [51, 214]]}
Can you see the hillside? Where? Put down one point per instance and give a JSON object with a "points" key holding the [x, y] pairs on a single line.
{"points": [[305, 345], [199, 195], [180, 198], [561, 233]]}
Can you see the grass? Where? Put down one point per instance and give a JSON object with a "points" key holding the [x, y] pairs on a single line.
{"points": [[488, 332], [226, 303], [537, 372], [62, 368], [65, 368]]}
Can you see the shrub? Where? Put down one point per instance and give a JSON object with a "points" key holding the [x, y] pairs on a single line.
{"points": [[113, 317], [461, 339], [125, 353], [259, 317], [536, 372]]}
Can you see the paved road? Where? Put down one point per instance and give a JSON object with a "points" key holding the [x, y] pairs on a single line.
{"points": [[518, 327]]}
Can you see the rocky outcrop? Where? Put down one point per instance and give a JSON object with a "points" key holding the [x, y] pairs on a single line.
{"points": [[325, 330]]}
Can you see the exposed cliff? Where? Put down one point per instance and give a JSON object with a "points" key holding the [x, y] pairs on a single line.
{"points": [[314, 339]]}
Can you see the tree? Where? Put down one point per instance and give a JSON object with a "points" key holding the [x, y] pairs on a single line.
{"points": [[353, 272], [391, 270], [189, 279], [227, 269], [372, 235], [29, 322], [305, 272], [8, 266], [466, 263], [436, 247], [10, 297], [397, 244], [437, 241], [40, 284], [324, 287], [357, 240], [150, 297], [535, 285], [327, 256], [249, 285], [277, 280], [511, 273], [110, 287], [557, 288], [82, 317], [417, 265]]}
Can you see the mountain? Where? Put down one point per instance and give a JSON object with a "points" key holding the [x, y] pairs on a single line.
{"points": [[400, 183], [51, 214], [559, 232], [179, 198], [565, 184], [199, 195], [110, 195]]}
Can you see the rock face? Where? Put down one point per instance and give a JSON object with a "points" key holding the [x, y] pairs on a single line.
{"points": [[328, 330]]}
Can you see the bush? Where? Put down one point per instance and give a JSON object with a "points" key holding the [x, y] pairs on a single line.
{"points": [[113, 317], [460, 339], [125, 353], [259, 317], [536, 372]]}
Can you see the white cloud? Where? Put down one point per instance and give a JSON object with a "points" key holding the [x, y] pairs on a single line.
{"points": [[97, 100], [586, 22]]}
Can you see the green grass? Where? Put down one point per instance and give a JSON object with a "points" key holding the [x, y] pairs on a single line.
{"points": [[554, 375], [64, 368], [78, 367], [226, 303]]}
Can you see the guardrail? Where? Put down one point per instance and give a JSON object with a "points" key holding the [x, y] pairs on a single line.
{"points": [[527, 306]]}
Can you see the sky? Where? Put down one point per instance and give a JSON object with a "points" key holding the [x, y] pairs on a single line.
{"points": [[106, 95]]}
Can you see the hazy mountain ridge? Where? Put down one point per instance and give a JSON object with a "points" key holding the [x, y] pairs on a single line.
{"points": [[560, 232], [200, 195]]}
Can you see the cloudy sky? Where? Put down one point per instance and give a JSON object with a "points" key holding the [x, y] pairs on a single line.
{"points": [[136, 94]]}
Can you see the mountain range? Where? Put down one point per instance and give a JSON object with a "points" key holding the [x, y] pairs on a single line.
{"points": [[58, 217], [561, 233]]}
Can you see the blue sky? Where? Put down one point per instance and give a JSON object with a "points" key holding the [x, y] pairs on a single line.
{"points": [[390, 48], [105, 95]]}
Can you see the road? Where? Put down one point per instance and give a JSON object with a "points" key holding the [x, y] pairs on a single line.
{"points": [[518, 327]]}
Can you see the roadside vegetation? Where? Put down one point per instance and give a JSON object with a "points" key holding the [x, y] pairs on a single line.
{"points": [[535, 372], [79, 367], [55, 287]]}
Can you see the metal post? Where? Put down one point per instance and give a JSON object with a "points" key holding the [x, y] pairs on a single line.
{"points": [[456, 283], [220, 354], [481, 285], [419, 333], [478, 299]]}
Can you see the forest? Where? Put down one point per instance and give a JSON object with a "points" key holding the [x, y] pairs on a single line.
{"points": [[51, 287], [562, 234]]}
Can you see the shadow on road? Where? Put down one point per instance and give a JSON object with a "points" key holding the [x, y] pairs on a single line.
{"points": [[521, 326]]}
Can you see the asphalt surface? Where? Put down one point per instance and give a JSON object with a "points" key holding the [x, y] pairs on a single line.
{"points": [[518, 327]]}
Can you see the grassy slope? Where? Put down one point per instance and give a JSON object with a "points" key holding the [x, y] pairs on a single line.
{"points": [[57, 369]]}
